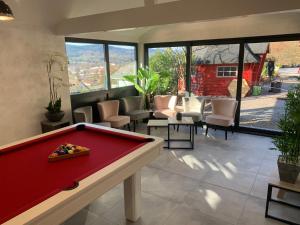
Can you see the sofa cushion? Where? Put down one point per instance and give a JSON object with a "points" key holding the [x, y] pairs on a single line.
{"points": [[196, 116], [118, 121], [218, 120], [139, 114], [164, 113]]}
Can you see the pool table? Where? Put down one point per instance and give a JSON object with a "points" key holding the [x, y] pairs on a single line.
{"points": [[36, 191]]}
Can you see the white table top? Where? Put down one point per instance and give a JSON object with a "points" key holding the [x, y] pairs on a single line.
{"points": [[172, 121]]}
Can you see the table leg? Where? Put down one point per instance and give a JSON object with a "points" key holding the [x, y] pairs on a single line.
{"points": [[132, 196], [193, 136], [168, 136], [148, 130]]}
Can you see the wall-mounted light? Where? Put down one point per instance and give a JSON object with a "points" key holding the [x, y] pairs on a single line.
{"points": [[5, 12]]}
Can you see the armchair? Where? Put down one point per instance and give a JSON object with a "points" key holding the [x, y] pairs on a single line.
{"points": [[223, 114], [133, 107], [85, 115], [164, 106], [194, 107], [109, 112]]}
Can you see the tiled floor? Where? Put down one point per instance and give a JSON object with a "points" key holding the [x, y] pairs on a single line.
{"points": [[219, 182]]}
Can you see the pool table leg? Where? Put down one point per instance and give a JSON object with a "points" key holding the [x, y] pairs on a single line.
{"points": [[132, 196]]}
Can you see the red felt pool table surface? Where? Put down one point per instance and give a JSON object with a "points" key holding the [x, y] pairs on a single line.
{"points": [[27, 178]]}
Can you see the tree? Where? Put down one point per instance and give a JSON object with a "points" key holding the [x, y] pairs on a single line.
{"points": [[170, 63]]}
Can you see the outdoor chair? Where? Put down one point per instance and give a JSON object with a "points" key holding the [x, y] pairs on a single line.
{"points": [[133, 106], [223, 114], [109, 112], [85, 115], [164, 106], [194, 107]]}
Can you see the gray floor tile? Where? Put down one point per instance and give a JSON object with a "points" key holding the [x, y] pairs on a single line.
{"points": [[183, 215], [224, 204]]}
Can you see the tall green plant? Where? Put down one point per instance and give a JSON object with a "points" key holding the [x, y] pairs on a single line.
{"points": [[289, 142], [145, 82]]}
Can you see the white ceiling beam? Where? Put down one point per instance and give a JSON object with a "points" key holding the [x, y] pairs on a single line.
{"points": [[172, 12]]}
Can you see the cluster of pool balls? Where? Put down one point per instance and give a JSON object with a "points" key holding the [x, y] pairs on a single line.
{"points": [[65, 149]]}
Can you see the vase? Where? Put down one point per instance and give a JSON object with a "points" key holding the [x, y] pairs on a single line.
{"points": [[179, 116], [288, 172], [54, 116]]}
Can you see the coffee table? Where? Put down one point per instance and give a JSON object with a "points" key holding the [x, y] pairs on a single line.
{"points": [[188, 121]]}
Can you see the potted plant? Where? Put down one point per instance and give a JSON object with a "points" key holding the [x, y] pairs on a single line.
{"points": [[289, 142], [145, 82], [55, 64]]}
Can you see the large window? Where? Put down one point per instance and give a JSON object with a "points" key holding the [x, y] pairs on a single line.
{"points": [[270, 69], [87, 67], [170, 63], [122, 61], [88, 64], [214, 70]]}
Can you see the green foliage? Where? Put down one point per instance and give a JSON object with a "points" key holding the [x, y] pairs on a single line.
{"points": [[170, 64], [54, 107], [145, 82], [289, 142]]}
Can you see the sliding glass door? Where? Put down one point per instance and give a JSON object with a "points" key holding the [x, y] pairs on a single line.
{"points": [[271, 69]]}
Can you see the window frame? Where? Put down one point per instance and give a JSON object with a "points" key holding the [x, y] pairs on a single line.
{"points": [[135, 55], [241, 42], [236, 71], [105, 44]]}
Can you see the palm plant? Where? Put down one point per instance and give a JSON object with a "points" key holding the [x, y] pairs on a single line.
{"points": [[145, 82]]}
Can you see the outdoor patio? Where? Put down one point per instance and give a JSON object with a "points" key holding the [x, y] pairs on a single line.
{"points": [[265, 111]]}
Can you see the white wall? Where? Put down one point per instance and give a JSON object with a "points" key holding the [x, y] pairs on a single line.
{"points": [[24, 44]]}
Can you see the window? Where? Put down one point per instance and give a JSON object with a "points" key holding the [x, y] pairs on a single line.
{"points": [[227, 71], [122, 61], [87, 67], [170, 63]]}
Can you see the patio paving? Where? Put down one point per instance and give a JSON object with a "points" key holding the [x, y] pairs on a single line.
{"points": [[265, 111]]}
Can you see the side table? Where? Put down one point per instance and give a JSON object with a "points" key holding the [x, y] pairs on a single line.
{"points": [[283, 187], [50, 126]]}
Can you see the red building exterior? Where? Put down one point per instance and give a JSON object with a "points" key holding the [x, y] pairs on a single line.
{"points": [[205, 80]]}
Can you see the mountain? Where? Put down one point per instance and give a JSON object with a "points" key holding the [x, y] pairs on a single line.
{"points": [[95, 53]]}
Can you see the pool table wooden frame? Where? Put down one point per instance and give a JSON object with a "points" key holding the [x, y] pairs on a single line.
{"points": [[63, 205]]}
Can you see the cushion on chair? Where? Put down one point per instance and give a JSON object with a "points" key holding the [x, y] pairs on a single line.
{"points": [[226, 107], [164, 113], [83, 114], [165, 102], [131, 103], [196, 116], [104, 124], [139, 114], [219, 120], [118, 121], [108, 108]]}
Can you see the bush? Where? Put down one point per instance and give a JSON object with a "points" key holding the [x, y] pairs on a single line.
{"points": [[289, 142]]}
